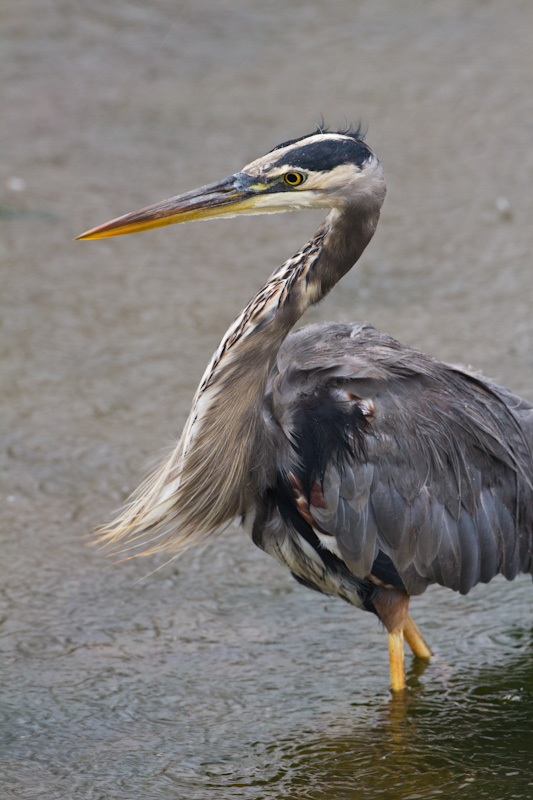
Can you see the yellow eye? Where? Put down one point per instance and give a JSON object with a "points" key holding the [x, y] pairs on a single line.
{"points": [[293, 178]]}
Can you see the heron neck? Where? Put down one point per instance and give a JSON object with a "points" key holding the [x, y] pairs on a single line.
{"points": [[346, 234], [222, 459], [226, 430]]}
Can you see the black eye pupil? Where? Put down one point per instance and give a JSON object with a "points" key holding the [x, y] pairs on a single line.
{"points": [[293, 177]]}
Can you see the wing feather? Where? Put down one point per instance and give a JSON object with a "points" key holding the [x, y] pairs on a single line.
{"points": [[427, 463]]}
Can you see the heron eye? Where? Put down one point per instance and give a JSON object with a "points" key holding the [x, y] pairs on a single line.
{"points": [[293, 178]]}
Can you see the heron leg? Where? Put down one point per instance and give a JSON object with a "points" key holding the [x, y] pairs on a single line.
{"points": [[397, 670], [392, 607], [415, 640]]}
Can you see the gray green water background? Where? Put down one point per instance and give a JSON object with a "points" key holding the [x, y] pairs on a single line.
{"points": [[219, 676]]}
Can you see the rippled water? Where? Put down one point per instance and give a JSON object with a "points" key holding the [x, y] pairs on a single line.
{"points": [[263, 690], [218, 675]]}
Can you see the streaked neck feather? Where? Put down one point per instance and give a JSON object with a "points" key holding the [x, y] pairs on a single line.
{"points": [[217, 466]]}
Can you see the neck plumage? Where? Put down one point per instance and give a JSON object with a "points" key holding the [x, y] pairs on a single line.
{"points": [[216, 468]]}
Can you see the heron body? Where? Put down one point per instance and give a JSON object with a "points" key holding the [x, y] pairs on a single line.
{"points": [[367, 468]]}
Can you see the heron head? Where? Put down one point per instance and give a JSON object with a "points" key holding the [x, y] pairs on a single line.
{"points": [[321, 170]]}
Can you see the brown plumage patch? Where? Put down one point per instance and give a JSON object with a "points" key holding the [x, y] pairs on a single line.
{"points": [[302, 504], [392, 606], [379, 582], [366, 406]]}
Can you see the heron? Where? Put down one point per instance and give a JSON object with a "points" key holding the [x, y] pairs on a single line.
{"points": [[368, 468]]}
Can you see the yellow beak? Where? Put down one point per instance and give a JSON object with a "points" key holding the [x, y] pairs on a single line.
{"points": [[234, 195]]}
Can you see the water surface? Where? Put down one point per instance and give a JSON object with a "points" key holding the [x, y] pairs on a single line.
{"points": [[218, 675]]}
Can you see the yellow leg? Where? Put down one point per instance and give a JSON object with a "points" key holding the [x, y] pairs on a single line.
{"points": [[397, 672], [415, 640]]}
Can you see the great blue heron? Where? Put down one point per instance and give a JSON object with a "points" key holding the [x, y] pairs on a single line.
{"points": [[369, 469]]}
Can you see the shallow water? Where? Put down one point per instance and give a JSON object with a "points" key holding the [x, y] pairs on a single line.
{"points": [[218, 674]]}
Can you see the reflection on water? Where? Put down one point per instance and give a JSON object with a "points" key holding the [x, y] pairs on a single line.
{"points": [[475, 739], [472, 737]]}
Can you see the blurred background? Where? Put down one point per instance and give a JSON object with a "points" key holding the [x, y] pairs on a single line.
{"points": [[219, 673]]}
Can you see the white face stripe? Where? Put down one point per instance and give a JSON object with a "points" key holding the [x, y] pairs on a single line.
{"points": [[331, 178], [324, 189], [284, 201]]}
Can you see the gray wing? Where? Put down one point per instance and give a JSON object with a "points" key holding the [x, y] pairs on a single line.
{"points": [[402, 456]]}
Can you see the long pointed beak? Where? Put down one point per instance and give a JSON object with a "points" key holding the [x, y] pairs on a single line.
{"points": [[233, 195]]}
